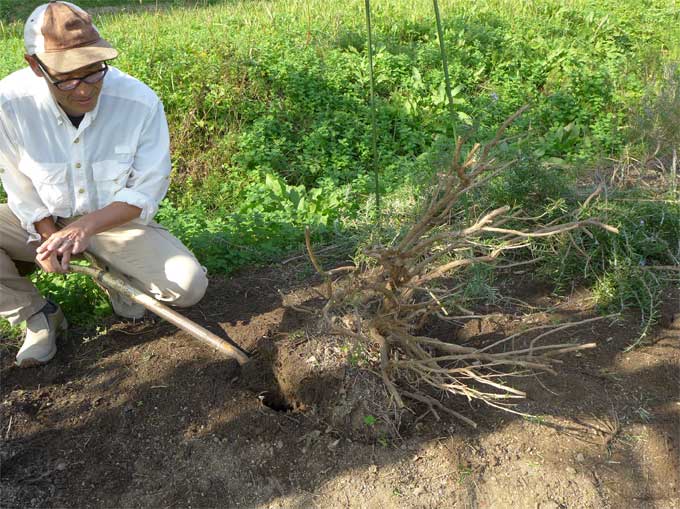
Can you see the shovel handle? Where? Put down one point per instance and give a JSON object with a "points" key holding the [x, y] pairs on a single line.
{"points": [[192, 328]]}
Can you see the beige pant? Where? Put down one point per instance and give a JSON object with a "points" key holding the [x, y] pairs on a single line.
{"points": [[155, 261]]}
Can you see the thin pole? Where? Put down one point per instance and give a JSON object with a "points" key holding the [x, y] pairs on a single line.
{"points": [[674, 174], [374, 129], [445, 63]]}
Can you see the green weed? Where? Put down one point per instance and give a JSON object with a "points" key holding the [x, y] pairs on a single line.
{"points": [[13, 10], [535, 419], [370, 420], [654, 130], [464, 473], [621, 269]]}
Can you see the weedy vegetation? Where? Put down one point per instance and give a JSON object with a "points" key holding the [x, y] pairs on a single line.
{"points": [[270, 115]]}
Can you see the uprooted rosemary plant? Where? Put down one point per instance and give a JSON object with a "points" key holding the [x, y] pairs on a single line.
{"points": [[384, 304]]}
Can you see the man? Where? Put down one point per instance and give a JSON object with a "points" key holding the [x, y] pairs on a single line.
{"points": [[84, 160]]}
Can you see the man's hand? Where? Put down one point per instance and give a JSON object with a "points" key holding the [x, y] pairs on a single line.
{"points": [[75, 238], [63, 244], [51, 264]]}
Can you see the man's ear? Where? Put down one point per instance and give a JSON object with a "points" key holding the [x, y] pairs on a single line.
{"points": [[34, 65]]}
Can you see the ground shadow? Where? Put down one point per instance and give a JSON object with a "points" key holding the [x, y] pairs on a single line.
{"points": [[164, 423]]}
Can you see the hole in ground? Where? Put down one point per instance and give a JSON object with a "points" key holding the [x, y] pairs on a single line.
{"points": [[276, 401]]}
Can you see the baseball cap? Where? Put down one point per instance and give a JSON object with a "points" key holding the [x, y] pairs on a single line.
{"points": [[63, 37]]}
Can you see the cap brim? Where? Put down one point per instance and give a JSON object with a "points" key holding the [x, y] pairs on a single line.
{"points": [[72, 59]]}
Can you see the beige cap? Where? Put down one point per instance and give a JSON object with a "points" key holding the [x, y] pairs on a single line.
{"points": [[63, 37]]}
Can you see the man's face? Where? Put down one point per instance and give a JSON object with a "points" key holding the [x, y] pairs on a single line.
{"points": [[74, 102]]}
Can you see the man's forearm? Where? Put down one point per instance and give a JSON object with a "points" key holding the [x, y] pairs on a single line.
{"points": [[114, 214]]}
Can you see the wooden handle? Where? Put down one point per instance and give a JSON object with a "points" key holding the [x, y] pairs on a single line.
{"points": [[195, 330]]}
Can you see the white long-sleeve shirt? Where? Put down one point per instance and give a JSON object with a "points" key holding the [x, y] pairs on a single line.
{"points": [[120, 151]]}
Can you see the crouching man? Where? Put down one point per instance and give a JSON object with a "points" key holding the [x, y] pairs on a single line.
{"points": [[84, 160]]}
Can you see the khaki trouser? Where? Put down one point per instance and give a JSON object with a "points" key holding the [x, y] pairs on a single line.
{"points": [[155, 261]]}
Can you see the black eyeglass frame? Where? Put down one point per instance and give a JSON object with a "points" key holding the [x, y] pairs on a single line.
{"points": [[57, 83]]}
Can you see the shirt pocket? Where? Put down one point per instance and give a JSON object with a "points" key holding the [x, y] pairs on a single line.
{"points": [[49, 180], [110, 176]]}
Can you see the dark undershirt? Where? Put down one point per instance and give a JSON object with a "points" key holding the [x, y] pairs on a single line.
{"points": [[76, 120]]}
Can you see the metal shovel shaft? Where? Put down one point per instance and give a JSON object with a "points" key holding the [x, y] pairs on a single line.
{"points": [[195, 330]]}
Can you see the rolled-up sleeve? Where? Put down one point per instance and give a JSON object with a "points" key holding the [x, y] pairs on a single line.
{"points": [[150, 174], [22, 197]]}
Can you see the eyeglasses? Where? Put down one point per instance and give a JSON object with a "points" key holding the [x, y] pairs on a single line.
{"points": [[72, 83]]}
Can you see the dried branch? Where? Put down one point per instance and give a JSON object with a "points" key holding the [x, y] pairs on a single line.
{"points": [[384, 304]]}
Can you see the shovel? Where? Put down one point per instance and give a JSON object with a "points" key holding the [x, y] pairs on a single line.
{"points": [[118, 285]]}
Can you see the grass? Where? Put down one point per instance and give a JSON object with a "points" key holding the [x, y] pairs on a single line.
{"points": [[18, 10], [269, 111]]}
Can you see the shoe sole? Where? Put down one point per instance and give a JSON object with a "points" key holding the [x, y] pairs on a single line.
{"points": [[62, 333]]}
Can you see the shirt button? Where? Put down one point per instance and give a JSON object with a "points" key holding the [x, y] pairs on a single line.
{"points": [[81, 190], [77, 140], [77, 165]]}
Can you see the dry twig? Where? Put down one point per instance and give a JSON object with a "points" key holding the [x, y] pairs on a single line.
{"points": [[386, 303]]}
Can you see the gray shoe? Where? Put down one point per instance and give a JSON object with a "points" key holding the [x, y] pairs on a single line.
{"points": [[124, 306], [42, 329]]}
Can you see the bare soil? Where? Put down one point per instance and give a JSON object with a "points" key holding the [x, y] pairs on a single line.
{"points": [[142, 415]]}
